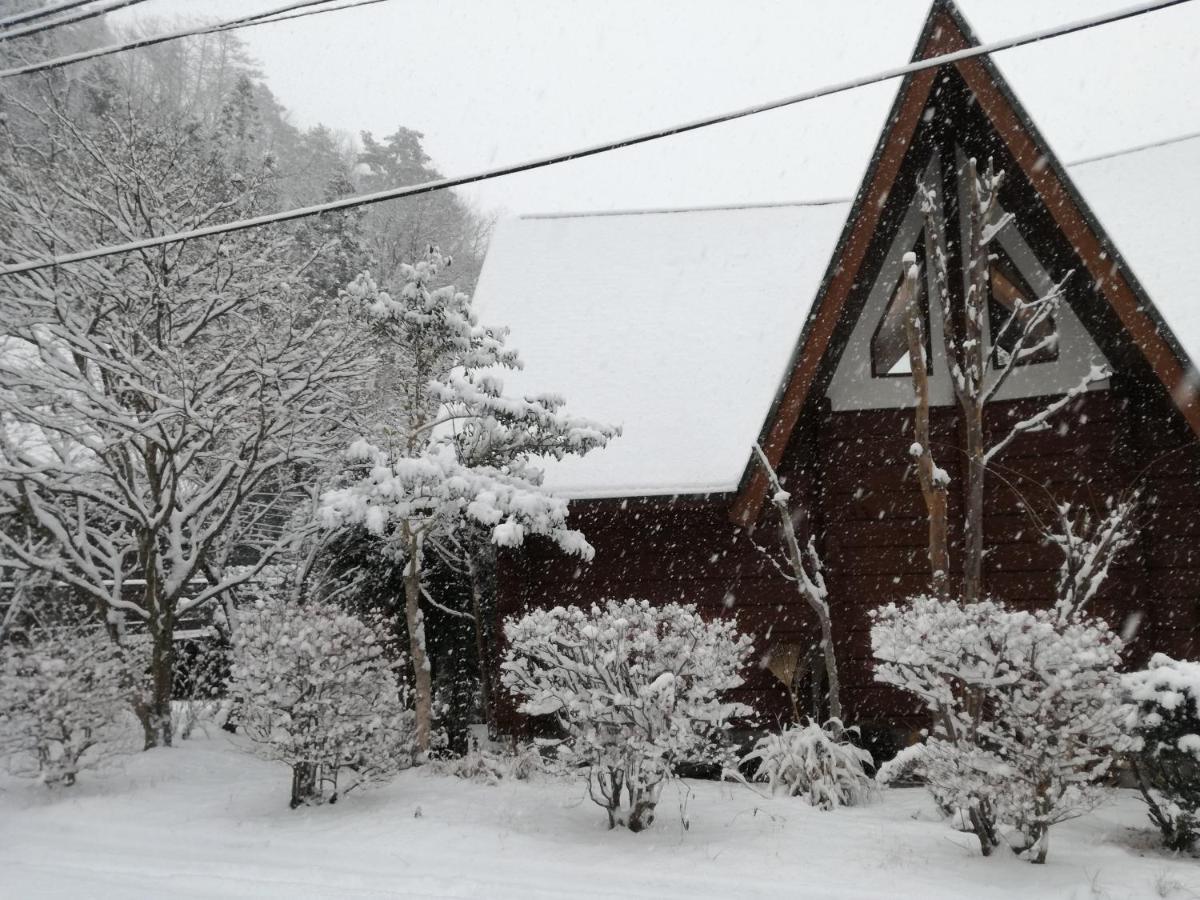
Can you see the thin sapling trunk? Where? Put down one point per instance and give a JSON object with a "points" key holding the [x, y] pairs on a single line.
{"points": [[812, 588]]}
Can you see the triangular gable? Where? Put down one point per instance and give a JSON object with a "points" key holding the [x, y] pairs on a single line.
{"points": [[946, 31]]}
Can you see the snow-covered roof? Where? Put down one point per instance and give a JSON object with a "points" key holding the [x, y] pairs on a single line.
{"points": [[1148, 202], [679, 325], [676, 325]]}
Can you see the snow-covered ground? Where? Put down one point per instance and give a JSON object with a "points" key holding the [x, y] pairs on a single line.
{"points": [[205, 820]]}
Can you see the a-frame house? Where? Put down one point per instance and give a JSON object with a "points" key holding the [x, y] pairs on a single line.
{"points": [[823, 385]]}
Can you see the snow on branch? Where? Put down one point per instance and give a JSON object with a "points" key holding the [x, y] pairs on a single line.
{"points": [[1089, 545], [1040, 421]]}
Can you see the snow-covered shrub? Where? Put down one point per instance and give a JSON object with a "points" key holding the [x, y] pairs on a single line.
{"points": [[314, 688], [1164, 717], [64, 703], [901, 767], [1025, 710], [817, 760], [490, 767], [207, 715], [635, 688]]}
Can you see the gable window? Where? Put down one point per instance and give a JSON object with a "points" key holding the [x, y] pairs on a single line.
{"points": [[889, 343], [1010, 292]]}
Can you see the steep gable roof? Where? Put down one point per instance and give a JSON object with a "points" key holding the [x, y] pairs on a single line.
{"points": [[682, 325], [675, 324], [946, 31]]}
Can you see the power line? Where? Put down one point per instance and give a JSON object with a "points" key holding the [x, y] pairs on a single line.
{"points": [[1138, 148], [596, 149], [243, 22], [82, 15], [834, 201], [41, 12], [310, 12]]}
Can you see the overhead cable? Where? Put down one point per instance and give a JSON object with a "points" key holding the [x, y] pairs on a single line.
{"points": [[596, 149], [265, 17], [80, 16], [41, 12]]}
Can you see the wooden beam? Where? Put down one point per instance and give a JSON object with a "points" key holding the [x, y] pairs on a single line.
{"points": [[1089, 245], [849, 257]]}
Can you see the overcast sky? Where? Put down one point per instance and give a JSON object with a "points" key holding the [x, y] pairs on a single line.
{"points": [[495, 81]]}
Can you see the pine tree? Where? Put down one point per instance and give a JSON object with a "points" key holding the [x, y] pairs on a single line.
{"points": [[453, 452]]}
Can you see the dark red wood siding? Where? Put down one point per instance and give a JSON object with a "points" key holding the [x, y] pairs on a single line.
{"points": [[851, 473]]}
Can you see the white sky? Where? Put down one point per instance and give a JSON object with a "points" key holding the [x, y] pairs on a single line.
{"points": [[495, 81]]}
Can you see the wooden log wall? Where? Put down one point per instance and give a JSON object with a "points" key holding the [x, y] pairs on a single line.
{"points": [[851, 474]]}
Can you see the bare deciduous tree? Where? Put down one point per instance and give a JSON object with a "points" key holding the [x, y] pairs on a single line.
{"points": [[807, 574], [146, 399], [979, 363]]}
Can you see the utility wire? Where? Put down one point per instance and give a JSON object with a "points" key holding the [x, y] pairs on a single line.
{"points": [[1137, 148], [596, 149], [243, 22], [308, 12], [41, 12], [82, 15], [834, 201]]}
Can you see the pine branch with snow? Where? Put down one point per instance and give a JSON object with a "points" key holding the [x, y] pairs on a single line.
{"points": [[455, 461], [635, 689]]}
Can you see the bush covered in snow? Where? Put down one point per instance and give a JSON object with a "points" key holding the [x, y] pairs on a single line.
{"points": [[819, 761], [492, 767], [636, 688], [64, 703], [1025, 710], [1164, 716], [313, 687]]}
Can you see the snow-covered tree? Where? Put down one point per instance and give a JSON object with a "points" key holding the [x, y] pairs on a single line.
{"points": [[980, 364], [399, 231], [635, 687], [455, 457], [64, 702], [147, 398], [818, 761], [315, 688], [1164, 718], [1025, 708], [806, 571]]}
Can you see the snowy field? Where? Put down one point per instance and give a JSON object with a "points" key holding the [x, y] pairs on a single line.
{"points": [[205, 820]]}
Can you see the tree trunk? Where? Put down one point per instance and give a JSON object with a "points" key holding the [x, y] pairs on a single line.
{"points": [[831, 670], [415, 621], [972, 398], [641, 815], [812, 589], [933, 485], [304, 784], [973, 524], [155, 710], [984, 828], [481, 647]]}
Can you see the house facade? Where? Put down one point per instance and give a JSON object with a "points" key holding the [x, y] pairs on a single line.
{"points": [[705, 331]]}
